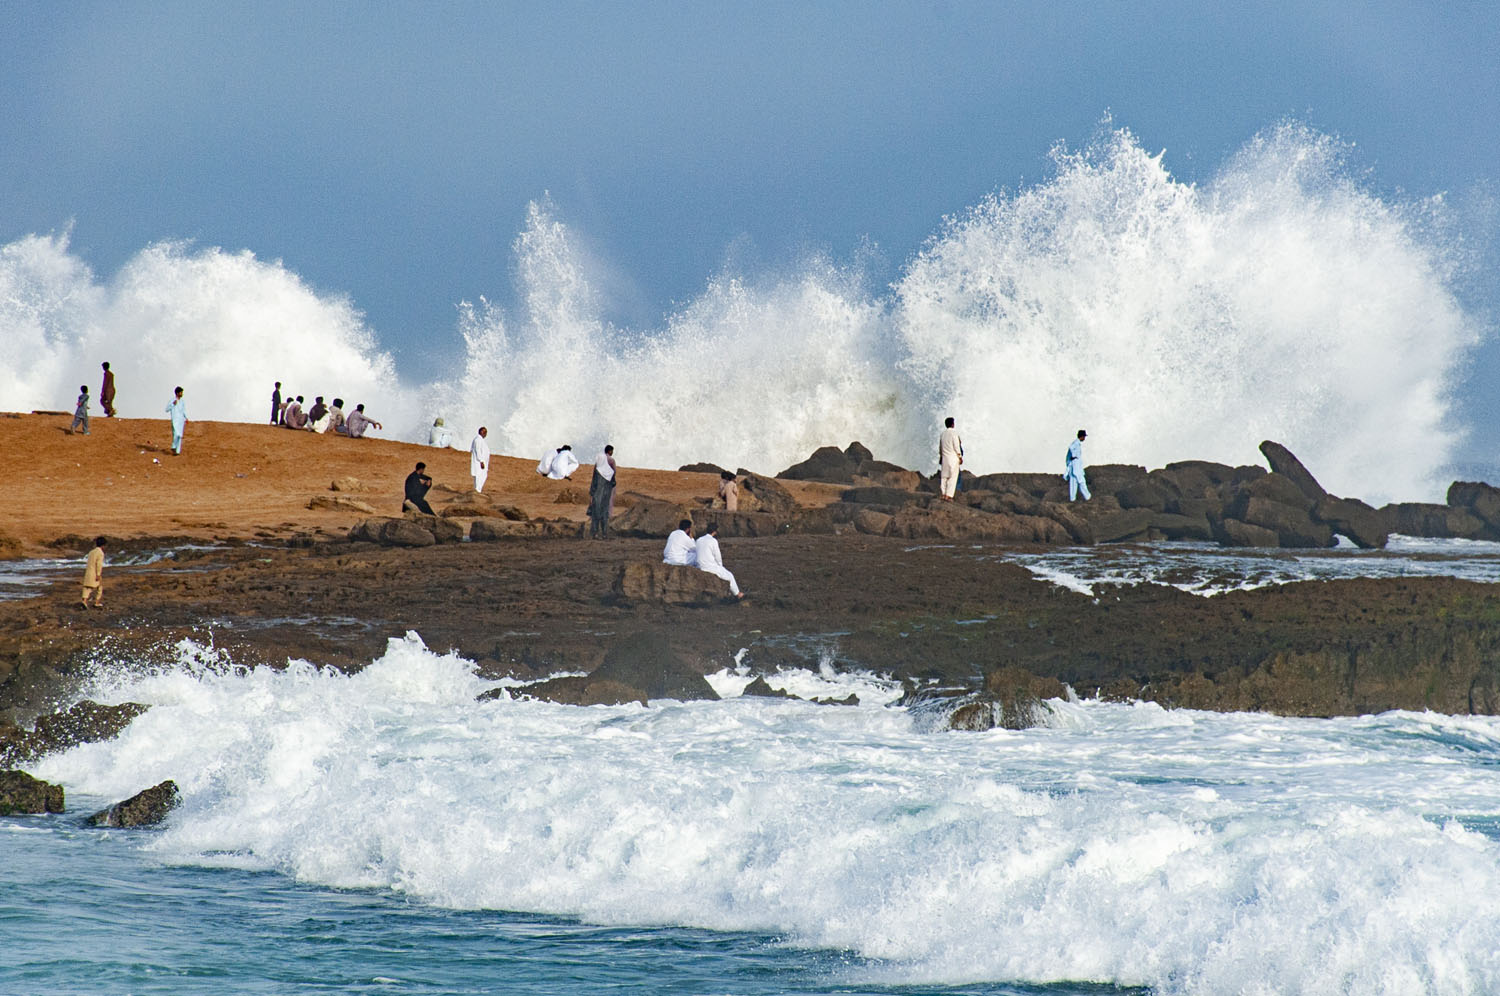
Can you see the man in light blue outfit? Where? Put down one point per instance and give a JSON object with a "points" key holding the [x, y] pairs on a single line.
{"points": [[178, 411], [1073, 473]]}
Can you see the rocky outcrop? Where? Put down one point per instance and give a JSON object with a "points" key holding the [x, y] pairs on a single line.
{"points": [[669, 584], [490, 529], [340, 503], [411, 530], [732, 524], [143, 809], [1283, 462], [1437, 521], [640, 667], [21, 793], [83, 722], [647, 517], [762, 494]]}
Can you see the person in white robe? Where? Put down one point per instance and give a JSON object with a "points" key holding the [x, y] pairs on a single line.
{"points": [[1073, 469], [712, 561], [479, 459], [680, 549], [544, 465], [563, 464], [950, 458], [439, 435]]}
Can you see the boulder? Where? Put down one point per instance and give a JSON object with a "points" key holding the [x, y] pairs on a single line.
{"points": [[812, 520], [647, 661], [888, 475], [1233, 532], [1353, 518], [1483, 500], [1272, 487], [143, 809], [574, 690], [890, 497], [1079, 529], [1112, 478], [404, 532], [340, 503], [871, 522], [763, 494], [858, 454], [83, 722], [758, 687], [669, 583], [1018, 695], [701, 468], [442, 530], [1293, 526], [1284, 463], [648, 518], [347, 484], [463, 510], [1126, 524], [827, 464], [1035, 485], [489, 530], [1187, 471], [1145, 493], [1435, 521], [367, 531], [21, 793], [736, 524], [1183, 527], [952, 521]]}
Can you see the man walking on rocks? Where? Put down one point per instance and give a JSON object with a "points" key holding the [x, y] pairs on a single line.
{"points": [[93, 574], [177, 411], [1073, 469], [107, 392], [950, 458]]}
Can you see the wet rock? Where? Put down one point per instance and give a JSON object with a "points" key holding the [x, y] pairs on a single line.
{"points": [[83, 722], [1078, 527], [1116, 527], [670, 584], [758, 687], [952, 521], [648, 662], [1233, 532], [575, 690], [1293, 526], [144, 809], [1431, 520], [1353, 518], [1018, 695], [973, 717], [21, 793], [1183, 527], [1284, 463], [1479, 499]]}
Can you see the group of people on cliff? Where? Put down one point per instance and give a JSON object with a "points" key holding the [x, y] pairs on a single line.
{"points": [[288, 413]]}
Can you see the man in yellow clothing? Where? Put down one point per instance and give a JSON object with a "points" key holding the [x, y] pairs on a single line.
{"points": [[93, 574]]}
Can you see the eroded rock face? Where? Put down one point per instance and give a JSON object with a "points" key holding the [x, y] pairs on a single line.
{"points": [[669, 584], [143, 809], [1283, 462], [762, 494], [341, 503], [83, 722], [21, 793], [647, 517]]}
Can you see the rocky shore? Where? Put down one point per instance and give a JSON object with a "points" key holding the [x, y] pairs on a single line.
{"points": [[849, 562]]}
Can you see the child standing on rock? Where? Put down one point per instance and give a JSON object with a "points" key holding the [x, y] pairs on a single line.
{"points": [[93, 574], [81, 412]]}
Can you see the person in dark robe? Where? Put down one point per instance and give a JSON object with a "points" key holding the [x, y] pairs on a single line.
{"points": [[417, 484], [107, 392], [276, 404], [602, 494]]}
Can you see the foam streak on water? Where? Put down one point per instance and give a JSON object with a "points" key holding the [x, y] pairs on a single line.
{"points": [[1280, 299], [1187, 851]]}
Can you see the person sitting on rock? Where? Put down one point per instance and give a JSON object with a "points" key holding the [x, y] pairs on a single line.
{"points": [[712, 561], [1073, 469], [317, 416], [358, 422], [296, 418], [335, 416], [680, 549], [417, 484]]}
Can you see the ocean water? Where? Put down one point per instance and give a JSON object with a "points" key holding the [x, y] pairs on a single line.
{"points": [[384, 832], [1286, 296]]}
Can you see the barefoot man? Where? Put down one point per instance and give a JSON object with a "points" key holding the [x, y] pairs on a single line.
{"points": [[93, 574], [950, 458]]}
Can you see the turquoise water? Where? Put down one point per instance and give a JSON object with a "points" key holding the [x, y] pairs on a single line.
{"points": [[89, 911]]}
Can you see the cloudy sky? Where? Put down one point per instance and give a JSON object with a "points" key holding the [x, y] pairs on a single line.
{"points": [[387, 151]]}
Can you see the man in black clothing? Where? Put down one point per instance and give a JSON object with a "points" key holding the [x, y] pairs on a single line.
{"points": [[417, 484], [276, 404]]}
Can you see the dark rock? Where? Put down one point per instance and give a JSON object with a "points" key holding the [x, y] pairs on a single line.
{"points": [[648, 662], [883, 496], [760, 688], [648, 518], [734, 524], [669, 583], [1293, 526], [858, 455], [1353, 518], [811, 520], [1145, 493], [84, 722], [1430, 520], [701, 468], [973, 717], [579, 691], [871, 522], [951, 521], [1271, 487], [21, 793], [143, 809], [827, 464], [1185, 470], [1483, 500], [1112, 478], [1035, 485], [1233, 532], [1113, 527], [1284, 463], [1018, 695], [1183, 527], [1078, 527], [405, 532], [763, 494]]}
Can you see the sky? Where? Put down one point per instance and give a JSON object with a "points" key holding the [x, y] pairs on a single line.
{"points": [[387, 151]]}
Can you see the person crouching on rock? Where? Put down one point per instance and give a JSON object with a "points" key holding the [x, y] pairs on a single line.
{"points": [[712, 561], [417, 484], [93, 574], [680, 549]]}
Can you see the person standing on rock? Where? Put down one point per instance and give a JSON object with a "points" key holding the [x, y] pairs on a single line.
{"points": [[276, 404], [81, 410], [712, 561], [177, 411], [479, 459], [729, 491], [680, 549], [950, 458], [602, 493], [1073, 469], [107, 392], [417, 484], [93, 574]]}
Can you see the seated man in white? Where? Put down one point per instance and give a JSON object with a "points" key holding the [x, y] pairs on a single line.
{"points": [[710, 560], [680, 547], [563, 464]]}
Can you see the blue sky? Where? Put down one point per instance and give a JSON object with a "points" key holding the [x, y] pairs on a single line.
{"points": [[387, 150]]}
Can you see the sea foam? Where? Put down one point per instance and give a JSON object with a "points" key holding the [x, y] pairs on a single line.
{"points": [[1186, 851]]}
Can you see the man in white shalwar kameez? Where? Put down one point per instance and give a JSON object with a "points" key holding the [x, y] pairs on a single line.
{"points": [[950, 458], [712, 561], [563, 464], [1073, 472], [479, 459], [680, 549]]}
